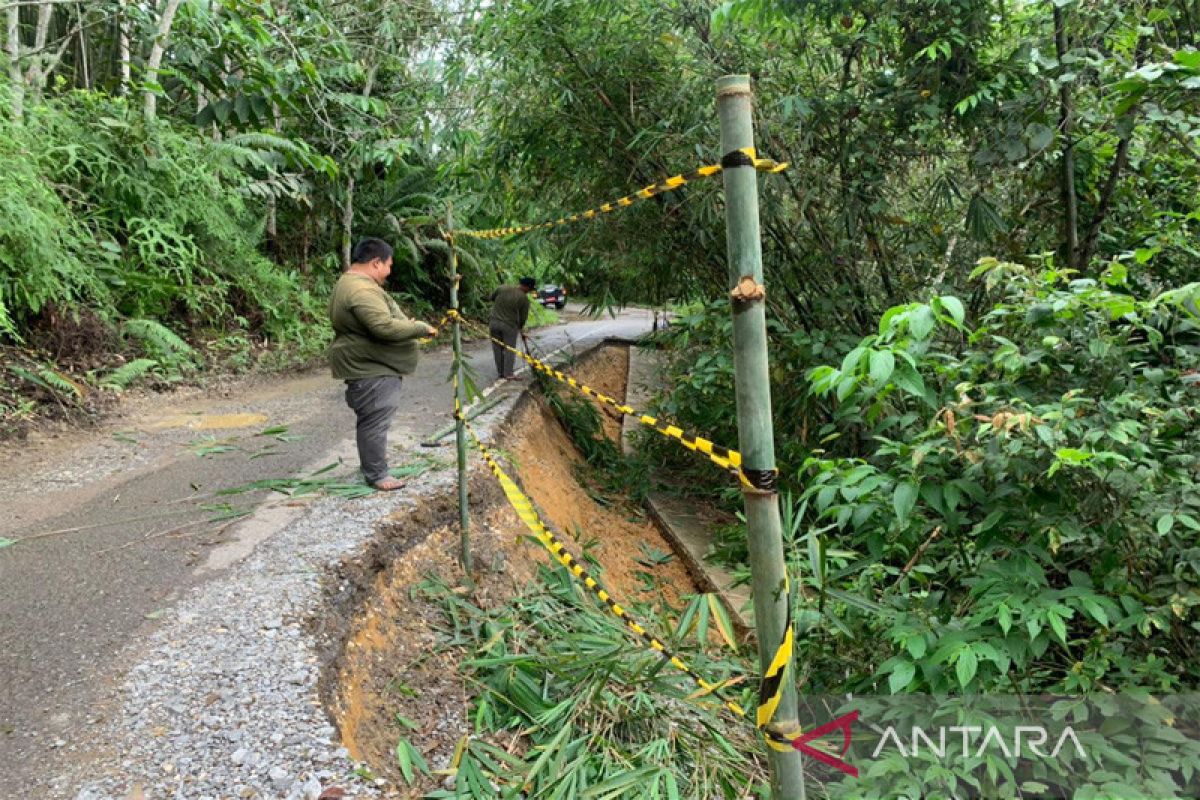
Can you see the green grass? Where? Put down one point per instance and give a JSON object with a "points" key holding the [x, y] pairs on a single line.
{"points": [[540, 316]]}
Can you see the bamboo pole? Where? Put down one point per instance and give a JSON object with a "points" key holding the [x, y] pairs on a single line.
{"points": [[480, 408], [460, 405], [756, 436]]}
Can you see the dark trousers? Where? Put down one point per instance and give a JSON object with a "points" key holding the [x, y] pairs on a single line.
{"points": [[504, 358], [374, 401]]}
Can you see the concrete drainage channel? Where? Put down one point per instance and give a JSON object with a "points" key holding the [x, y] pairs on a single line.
{"points": [[386, 654]]}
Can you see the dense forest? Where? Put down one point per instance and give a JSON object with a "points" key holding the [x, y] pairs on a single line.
{"points": [[983, 270]]}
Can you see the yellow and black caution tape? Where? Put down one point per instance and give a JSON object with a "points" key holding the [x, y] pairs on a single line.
{"points": [[771, 687], [437, 329], [524, 508], [725, 458], [770, 691], [746, 157]]}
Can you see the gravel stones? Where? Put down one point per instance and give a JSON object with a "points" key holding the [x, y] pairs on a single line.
{"points": [[222, 701]]}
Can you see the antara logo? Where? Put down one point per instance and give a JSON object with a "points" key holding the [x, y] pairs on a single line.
{"points": [[842, 724], [1024, 738]]}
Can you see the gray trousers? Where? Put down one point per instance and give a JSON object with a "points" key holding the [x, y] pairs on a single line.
{"points": [[504, 358], [374, 401]]}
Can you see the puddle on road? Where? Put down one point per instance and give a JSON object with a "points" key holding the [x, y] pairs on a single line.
{"points": [[207, 422]]}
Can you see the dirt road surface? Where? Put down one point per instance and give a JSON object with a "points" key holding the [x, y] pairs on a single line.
{"points": [[113, 524]]}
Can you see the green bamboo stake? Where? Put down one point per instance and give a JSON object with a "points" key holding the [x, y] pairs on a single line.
{"points": [[472, 413], [460, 389], [756, 435]]}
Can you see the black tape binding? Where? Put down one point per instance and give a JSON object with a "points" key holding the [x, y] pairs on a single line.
{"points": [[765, 480], [736, 159]]}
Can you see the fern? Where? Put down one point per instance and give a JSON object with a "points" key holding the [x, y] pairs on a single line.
{"points": [[6, 323], [60, 382], [47, 379], [248, 158], [470, 262], [405, 247], [268, 150], [161, 342], [122, 377], [293, 187], [436, 245]]}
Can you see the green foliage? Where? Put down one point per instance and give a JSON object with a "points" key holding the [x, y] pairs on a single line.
{"points": [[177, 237], [602, 717], [410, 760], [541, 317], [581, 418], [992, 503], [160, 343], [701, 394], [917, 142], [125, 375], [41, 244], [1019, 508], [140, 225], [701, 381], [47, 380], [627, 476]]}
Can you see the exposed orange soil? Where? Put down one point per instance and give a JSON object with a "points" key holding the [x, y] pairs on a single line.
{"points": [[391, 663]]}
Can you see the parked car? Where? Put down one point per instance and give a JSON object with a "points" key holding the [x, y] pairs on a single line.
{"points": [[552, 295]]}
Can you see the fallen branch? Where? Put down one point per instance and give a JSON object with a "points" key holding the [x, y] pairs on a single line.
{"points": [[78, 528], [912, 562], [161, 534]]}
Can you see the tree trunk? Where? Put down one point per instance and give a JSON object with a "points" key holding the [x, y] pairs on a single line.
{"points": [[348, 208], [347, 221], [44, 62], [272, 201], [123, 50], [305, 238], [13, 43], [1066, 125], [35, 76], [273, 228], [1106, 194], [1120, 160], [85, 71], [150, 106]]}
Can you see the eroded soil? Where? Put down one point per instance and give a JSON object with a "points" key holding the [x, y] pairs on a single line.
{"points": [[390, 659]]}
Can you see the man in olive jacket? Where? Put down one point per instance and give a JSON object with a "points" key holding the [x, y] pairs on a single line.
{"points": [[510, 310], [374, 345]]}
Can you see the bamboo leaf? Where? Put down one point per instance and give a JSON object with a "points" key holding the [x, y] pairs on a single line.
{"points": [[404, 760], [617, 784], [721, 618]]}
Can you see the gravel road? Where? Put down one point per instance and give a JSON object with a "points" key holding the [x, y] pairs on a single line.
{"points": [[148, 651]]}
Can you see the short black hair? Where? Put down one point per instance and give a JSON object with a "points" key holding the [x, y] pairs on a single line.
{"points": [[367, 250], [528, 283]]}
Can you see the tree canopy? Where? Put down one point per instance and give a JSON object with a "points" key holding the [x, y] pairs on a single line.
{"points": [[981, 268]]}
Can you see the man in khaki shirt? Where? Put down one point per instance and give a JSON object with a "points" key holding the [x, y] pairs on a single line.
{"points": [[510, 311], [374, 345]]}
